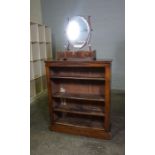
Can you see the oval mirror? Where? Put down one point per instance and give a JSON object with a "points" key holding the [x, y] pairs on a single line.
{"points": [[78, 31]]}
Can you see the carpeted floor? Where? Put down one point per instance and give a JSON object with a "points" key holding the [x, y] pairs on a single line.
{"points": [[45, 142]]}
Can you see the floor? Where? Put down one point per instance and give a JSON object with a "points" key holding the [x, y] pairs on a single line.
{"points": [[45, 142]]}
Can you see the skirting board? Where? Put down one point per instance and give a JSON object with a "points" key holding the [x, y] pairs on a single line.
{"points": [[32, 99]]}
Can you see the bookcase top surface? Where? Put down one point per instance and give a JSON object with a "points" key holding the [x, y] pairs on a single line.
{"points": [[108, 61]]}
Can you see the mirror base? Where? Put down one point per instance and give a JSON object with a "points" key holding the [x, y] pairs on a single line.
{"points": [[76, 55]]}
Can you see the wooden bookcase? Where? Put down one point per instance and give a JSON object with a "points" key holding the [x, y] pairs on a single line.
{"points": [[79, 97]]}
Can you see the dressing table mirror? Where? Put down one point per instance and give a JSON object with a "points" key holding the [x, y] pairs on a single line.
{"points": [[78, 34]]}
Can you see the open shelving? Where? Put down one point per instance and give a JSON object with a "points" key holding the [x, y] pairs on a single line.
{"points": [[79, 97], [48, 34], [42, 68], [34, 32], [48, 50], [43, 54], [36, 69], [35, 51], [40, 49], [41, 29]]}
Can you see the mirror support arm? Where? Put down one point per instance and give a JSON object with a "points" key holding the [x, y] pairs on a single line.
{"points": [[89, 22]]}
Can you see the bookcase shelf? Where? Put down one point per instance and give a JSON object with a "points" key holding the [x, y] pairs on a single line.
{"points": [[79, 97], [79, 112], [87, 97], [82, 122], [77, 78]]}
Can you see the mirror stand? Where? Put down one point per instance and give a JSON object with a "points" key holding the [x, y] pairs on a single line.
{"points": [[78, 55]]}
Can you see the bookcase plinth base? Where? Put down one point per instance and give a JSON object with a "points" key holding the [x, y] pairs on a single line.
{"points": [[83, 131]]}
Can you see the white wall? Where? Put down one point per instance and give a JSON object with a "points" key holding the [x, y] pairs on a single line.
{"points": [[36, 11], [108, 22]]}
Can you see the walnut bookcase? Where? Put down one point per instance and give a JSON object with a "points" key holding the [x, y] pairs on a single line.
{"points": [[79, 97]]}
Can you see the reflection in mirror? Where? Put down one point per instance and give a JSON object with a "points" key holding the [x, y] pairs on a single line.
{"points": [[78, 32]]}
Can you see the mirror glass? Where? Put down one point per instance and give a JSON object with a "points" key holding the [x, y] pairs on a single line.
{"points": [[78, 31]]}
